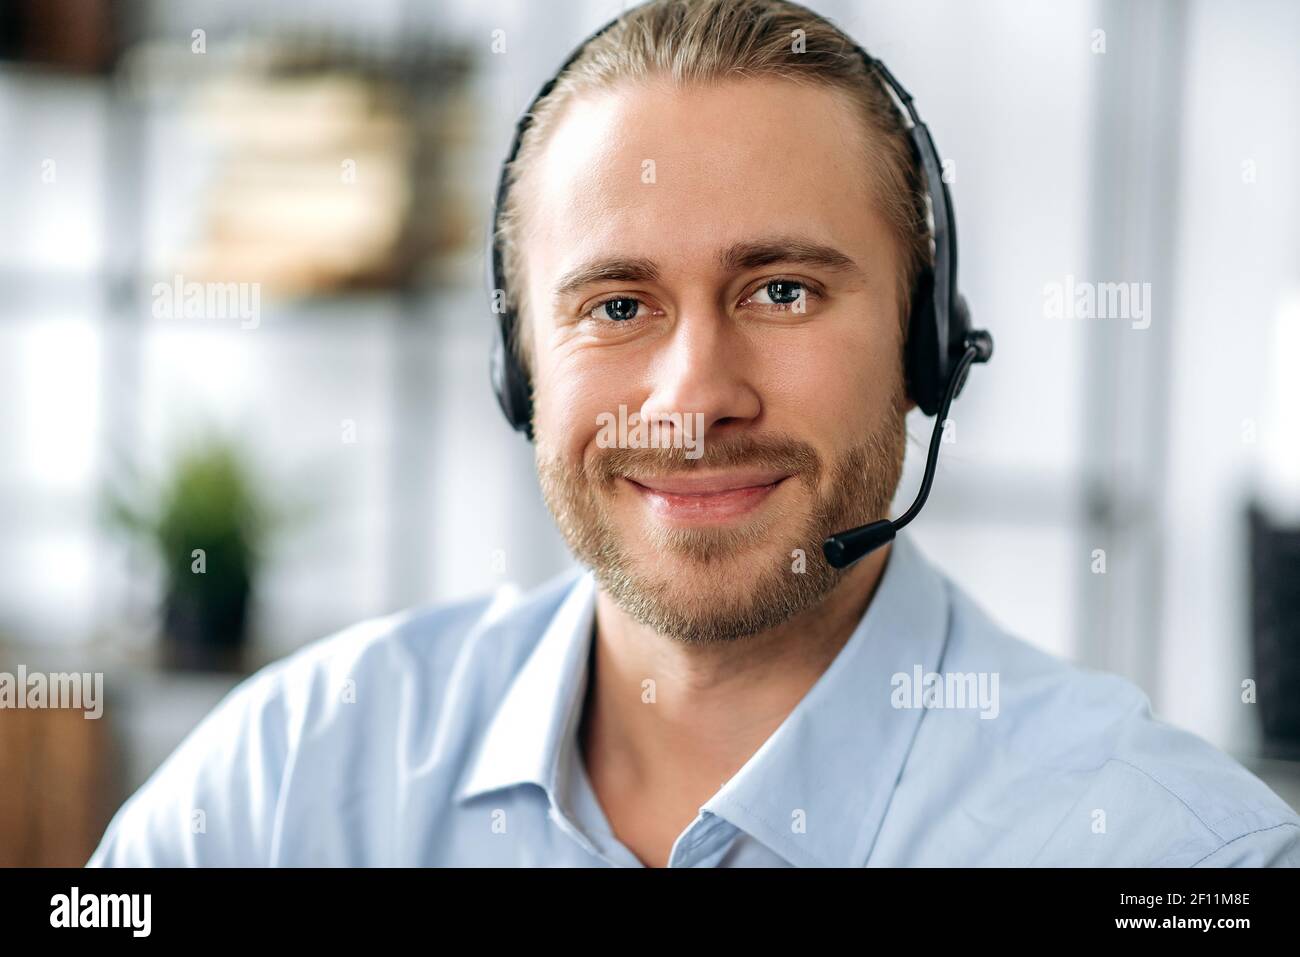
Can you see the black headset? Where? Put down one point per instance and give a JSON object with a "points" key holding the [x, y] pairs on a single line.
{"points": [[941, 345]]}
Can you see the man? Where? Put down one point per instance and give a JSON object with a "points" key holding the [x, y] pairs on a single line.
{"points": [[715, 222]]}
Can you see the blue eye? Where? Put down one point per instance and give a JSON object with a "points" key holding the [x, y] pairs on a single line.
{"points": [[780, 292], [620, 309]]}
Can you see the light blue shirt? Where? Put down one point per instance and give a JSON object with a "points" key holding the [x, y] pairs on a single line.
{"points": [[449, 737]]}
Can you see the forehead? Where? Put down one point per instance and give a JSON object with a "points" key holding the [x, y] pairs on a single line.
{"points": [[674, 174]]}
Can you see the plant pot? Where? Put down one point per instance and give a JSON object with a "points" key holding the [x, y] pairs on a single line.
{"points": [[206, 630]]}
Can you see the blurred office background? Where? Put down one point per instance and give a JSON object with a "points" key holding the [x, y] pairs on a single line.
{"points": [[1125, 497]]}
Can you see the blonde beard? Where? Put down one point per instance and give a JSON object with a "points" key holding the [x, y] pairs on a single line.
{"points": [[701, 585]]}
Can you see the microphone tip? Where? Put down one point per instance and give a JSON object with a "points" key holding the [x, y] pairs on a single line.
{"points": [[833, 549], [845, 548]]}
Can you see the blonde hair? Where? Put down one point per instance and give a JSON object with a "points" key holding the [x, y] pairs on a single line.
{"points": [[703, 41]]}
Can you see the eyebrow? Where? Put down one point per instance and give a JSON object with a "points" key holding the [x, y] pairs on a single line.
{"points": [[791, 249], [618, 269], [739, 256]]}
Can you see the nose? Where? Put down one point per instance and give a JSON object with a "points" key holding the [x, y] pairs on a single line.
{"points": [[703, 369]]}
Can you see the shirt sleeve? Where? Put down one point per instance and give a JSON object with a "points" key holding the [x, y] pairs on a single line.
{"points": [[213, 802], [1277, 846]]}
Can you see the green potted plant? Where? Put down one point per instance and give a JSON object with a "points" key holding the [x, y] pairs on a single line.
{"points": [[207, 524]]}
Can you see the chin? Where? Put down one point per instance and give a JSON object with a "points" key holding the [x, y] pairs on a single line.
{"points": [[717, 592]]}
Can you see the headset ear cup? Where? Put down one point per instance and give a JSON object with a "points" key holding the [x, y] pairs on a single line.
{"points": [[961, 323], [957, 334], [511, 384], [922, 362], [522, 400]]}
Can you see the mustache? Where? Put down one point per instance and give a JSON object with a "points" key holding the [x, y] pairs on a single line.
{"points": [[778, 453]]}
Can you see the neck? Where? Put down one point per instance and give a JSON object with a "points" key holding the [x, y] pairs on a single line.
{"points": [[714, 704]]}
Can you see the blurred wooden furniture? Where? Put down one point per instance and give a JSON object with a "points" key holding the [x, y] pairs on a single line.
{"points": [[55, 786]]}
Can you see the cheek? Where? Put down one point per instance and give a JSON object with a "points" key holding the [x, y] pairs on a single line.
{"points": [[835, 384], [571, 391]]}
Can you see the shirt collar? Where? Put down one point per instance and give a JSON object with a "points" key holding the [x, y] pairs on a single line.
{"points": [[817, 790], [534, 724]]}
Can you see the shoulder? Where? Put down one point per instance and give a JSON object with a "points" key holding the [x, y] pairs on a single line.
{"points": [[302, 729], [411, 652], [1098, 778], [382, 664]]}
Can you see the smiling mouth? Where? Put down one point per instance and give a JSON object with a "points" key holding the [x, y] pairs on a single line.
{"points": [[691, 499]]}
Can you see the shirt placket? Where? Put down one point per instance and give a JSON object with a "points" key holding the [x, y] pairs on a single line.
{"points": [[706, 835]]}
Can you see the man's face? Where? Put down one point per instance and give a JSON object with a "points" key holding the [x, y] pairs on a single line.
{"points": [[713, 256]]}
